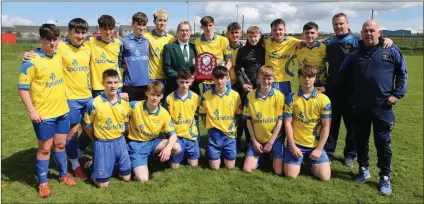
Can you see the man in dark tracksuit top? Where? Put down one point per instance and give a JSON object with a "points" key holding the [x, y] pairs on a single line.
{"points": [[135, 56], [338, 47], [379, 78]]}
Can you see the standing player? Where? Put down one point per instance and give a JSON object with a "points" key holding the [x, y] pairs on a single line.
{"points": [[134, 58], [379, 79], [42, 89], [313, 53], [216, 45], [106, 122], [307, 116], [147, 120], [263, 111], [158, 38], [219, 108], [182, 105], [249, 57], [280, 52]]}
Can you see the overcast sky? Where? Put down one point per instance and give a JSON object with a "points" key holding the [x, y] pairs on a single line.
{"points": [[391, 15]]}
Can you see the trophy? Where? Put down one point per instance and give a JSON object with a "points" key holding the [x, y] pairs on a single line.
{"points": [[204, 65]]}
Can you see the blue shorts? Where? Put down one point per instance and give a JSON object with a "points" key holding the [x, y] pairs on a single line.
{"points": [[207, 87], [189, 147], [284, 87], [219, 142], [276, 152], [163, 81], [105, 154], [49, 127], [140, 151], [306, 151], [77, 108]]}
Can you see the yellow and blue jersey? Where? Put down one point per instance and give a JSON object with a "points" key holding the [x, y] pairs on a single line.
{"points": [[183, 113], [234, 52], [282, 56], [157, 42], [43, 77], [221, 111], [307, 115], [146, 125], [264, 113], [107, 120], [104, 55], [315, 56], [219, 47], [76, 64]]}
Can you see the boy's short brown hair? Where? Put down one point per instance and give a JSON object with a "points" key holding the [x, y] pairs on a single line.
{"points": [[106, 21], [233, 26], [140, 18], [266, 71], [277, 22], [308, 70], [109, 73], [254, 30], [219, 72], [184, 74], [156, 86], [206, 20]]}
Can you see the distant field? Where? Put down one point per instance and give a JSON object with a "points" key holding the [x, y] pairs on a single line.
{"points": [[202, 185]]}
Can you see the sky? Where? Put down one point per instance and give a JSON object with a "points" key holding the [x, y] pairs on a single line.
{"points": [[390, 15]]}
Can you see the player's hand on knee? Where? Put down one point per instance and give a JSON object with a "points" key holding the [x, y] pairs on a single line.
{"points": [[315, 154], [296, 152], [165, 154], [35, 117], [257, 146], [268, 147]]}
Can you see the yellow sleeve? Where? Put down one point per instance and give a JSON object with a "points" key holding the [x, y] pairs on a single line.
{"points": [[168, 126], [280, 106], [288, 109], [326, 107], [226, 49], [26, 75]]}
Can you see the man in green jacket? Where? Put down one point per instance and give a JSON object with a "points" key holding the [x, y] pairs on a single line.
{"points": [[179, 55]]}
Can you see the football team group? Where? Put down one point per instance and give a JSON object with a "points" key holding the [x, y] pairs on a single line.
{"points": [[152, 110]]}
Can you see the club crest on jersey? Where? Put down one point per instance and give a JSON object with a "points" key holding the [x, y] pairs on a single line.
{"points": [[231, 103], [141, 127], [103, 55], [157, 52], [274, 105], [385, 55]]}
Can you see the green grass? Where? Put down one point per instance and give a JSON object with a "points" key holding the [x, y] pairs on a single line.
{"points": [[201, 185]]}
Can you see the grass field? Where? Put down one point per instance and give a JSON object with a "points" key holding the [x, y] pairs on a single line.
{"points": [[202, 185]]}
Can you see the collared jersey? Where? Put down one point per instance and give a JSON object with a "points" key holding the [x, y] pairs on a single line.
{"points": [[108, 120], [264, 112], [135, 54], [104, 55], [315, 56], [234, 52], [157, 42], [282, 56], [221, 111], [145, 126], [183, 112], [43, 77], [219, 47], [307, 114], [76, 64]]}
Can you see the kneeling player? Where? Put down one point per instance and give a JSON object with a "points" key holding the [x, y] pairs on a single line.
{"points": [[182, 105], [307, 115], [263, 111], [219, 108], [106, 122], [42, 89], [147, 120]]}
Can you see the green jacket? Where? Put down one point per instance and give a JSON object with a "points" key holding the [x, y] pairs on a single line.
{"points": [[173, 59]]}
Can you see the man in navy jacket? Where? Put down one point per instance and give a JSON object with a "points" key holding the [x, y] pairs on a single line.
{"points": [[378, 79]]}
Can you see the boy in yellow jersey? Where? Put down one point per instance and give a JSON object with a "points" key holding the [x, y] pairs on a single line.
{"points": [[105, 50], [158, 38], [147, 120], [106, 121], [216, 45], [76, 61], [280, 52], [219, 108], [183, 105], [263, 111], [42, 89], [313, 53], [307, 115]]}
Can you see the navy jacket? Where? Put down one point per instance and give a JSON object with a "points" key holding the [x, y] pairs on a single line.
{"points": [[375, 74], [338, 48]]}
